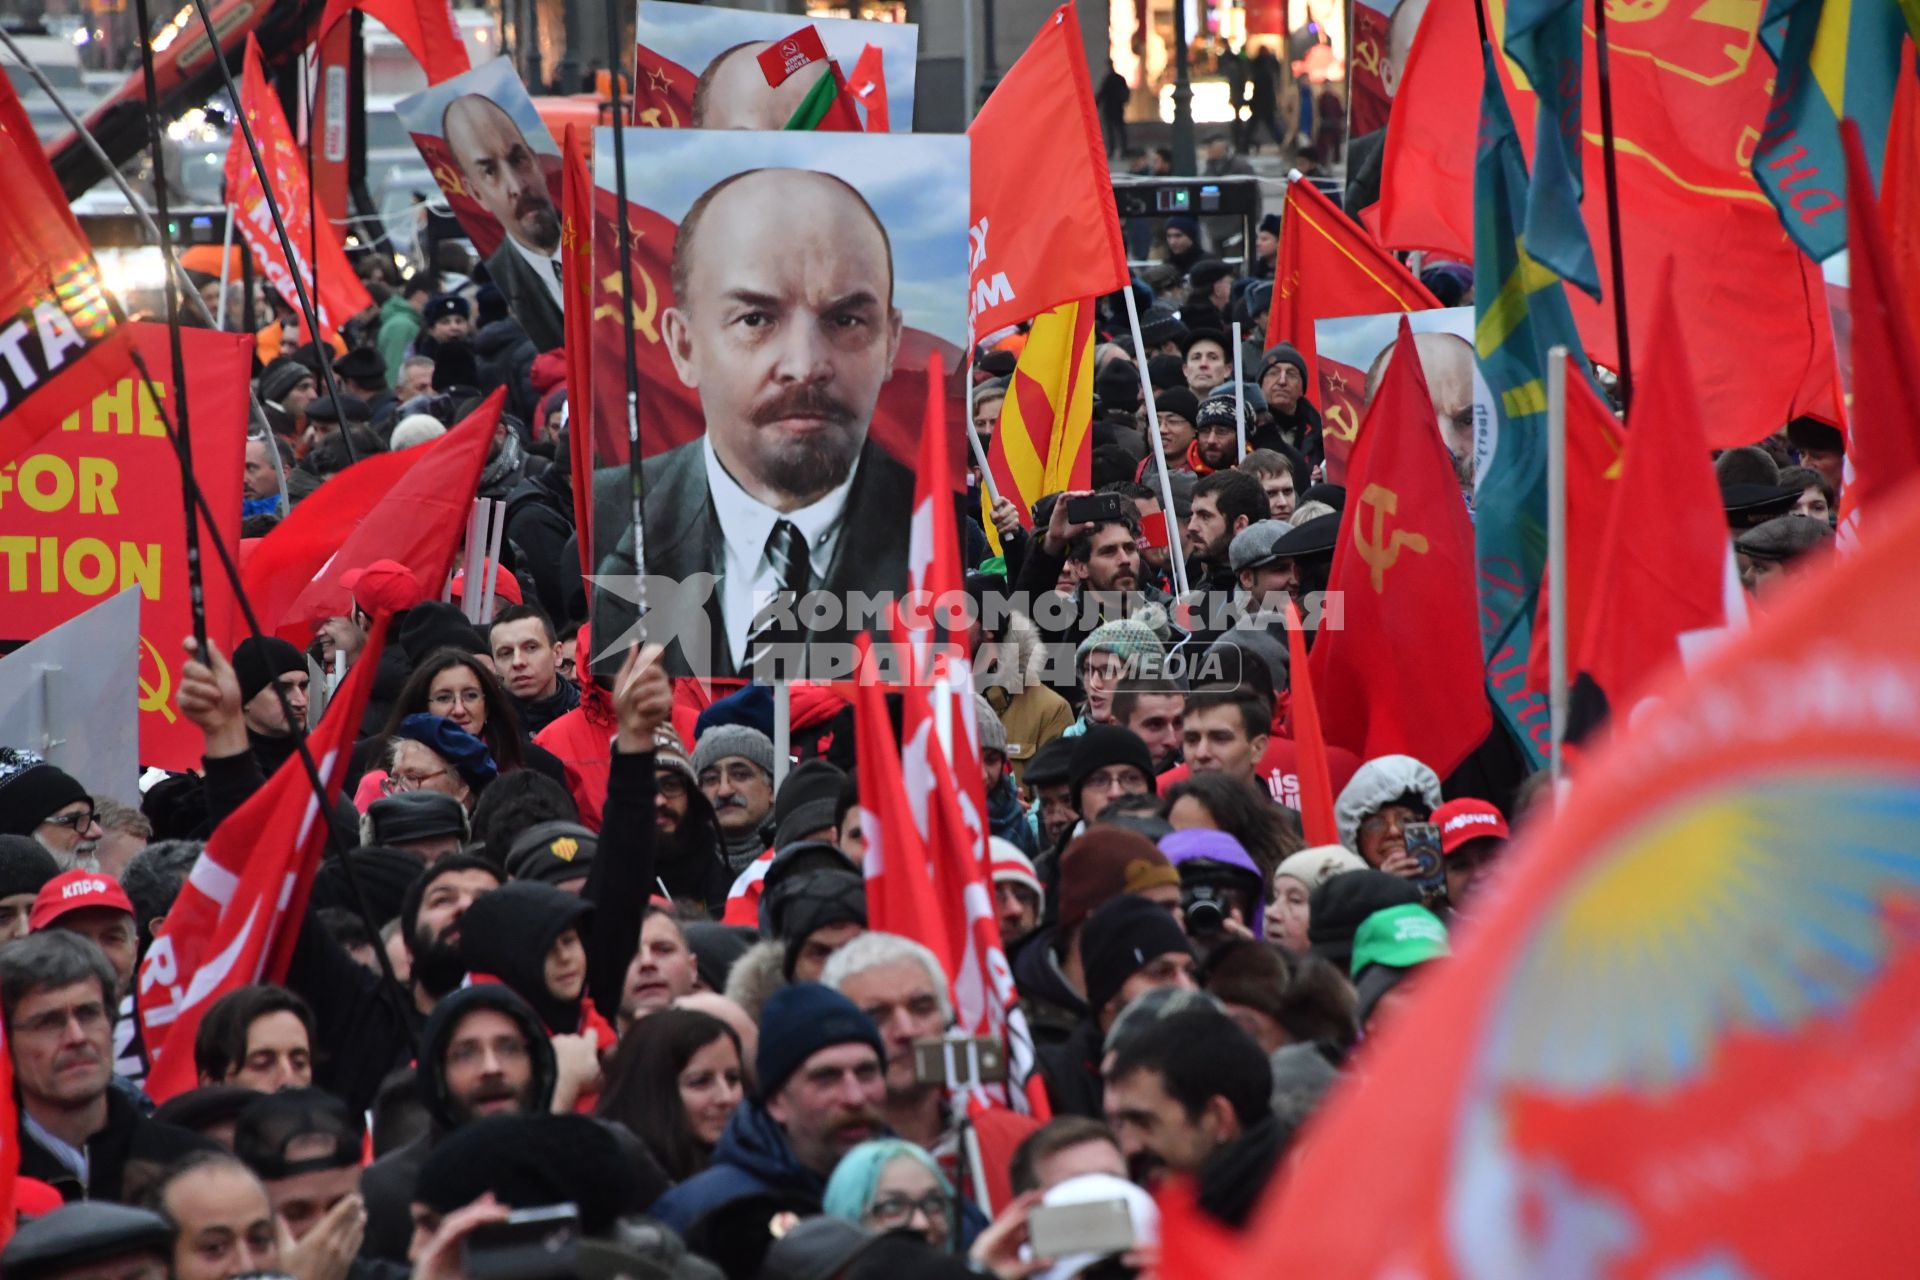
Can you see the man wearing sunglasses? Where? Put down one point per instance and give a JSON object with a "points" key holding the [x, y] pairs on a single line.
{"points": [[49, 804]]}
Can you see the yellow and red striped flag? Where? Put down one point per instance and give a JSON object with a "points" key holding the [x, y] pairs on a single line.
{"points": [[1044, 442]]}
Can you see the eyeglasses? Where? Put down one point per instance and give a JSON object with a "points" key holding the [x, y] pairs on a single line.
{"points": [[467, 698], [91, 1016], [398, 782], [76, 822], [1398, 815], [738, 772], [896, 1210], [671, 785]]}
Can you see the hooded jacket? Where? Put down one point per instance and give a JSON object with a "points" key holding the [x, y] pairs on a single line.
{"points": [[400, 324], [1032, 713], [752, 1159], [387, 1186], [507, 934], [1052, 1007], [1378, 783]]}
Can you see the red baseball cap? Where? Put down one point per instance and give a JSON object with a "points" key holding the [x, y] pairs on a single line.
{"points": [[385, 586], [76, 891], [1463, 820]]}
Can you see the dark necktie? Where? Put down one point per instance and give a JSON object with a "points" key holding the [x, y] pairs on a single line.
{"points": [[559, 272], [792, 569]]}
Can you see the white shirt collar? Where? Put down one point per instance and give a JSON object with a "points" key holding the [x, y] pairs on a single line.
{"points": [[746, 523]]}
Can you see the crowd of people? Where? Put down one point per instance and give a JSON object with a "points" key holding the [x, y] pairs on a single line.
{"points": [[574, 945]]}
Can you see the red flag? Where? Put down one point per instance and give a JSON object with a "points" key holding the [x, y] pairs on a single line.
{"points": [[1690, 96], [1327, 266], [1309, 743], [49, 292], [338, 295], [1403, 672], [1426, 168], [1666, 580], [576, 268], [1044, 228], [236, 918], [1900, 188], [410, 506], [425, 27], [1594, 441], [1884, 451], [900, 890], [1668, 1045], [868, 84]]}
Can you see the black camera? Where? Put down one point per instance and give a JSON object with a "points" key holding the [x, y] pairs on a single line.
{"points": [[1206, 907]]}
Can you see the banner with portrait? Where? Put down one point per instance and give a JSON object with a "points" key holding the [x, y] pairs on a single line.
{"points": [[1353, 354], [493, 157], [695, 67], [95, 508], [788, 292]]}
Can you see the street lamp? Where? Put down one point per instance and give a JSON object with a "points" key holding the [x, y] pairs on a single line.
{"points": [[1185, 158], [989, 66]]}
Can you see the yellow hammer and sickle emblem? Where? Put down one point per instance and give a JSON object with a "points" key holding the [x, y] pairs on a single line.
{"points": [[1379, 550], [643, 317], [450, 180], [1342, 423], [153, 697]]}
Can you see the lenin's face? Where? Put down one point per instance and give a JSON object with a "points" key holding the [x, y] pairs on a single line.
{"points": [[503, 172], [786, 330], [738, 96]]}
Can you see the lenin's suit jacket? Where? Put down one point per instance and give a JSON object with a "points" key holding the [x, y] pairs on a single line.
{"points": [[528, 297], [683, 538]]}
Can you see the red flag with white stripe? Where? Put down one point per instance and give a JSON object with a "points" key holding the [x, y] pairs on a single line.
{"points": [[900, 889], [236, 918], [949, 805]]}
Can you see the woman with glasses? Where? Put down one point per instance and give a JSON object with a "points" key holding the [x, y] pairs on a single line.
{"points": [[890, 1185], [457, 687]]}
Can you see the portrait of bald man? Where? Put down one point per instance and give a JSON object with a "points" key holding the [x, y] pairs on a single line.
{"points": [[504, 174], [785, 328], [1446, 360], [733, 93]]}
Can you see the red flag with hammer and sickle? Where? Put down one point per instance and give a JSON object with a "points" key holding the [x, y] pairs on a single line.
{"points": [[1397, 663]]}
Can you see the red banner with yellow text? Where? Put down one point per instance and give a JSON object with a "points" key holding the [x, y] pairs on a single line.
{"points": [[95, 508]]}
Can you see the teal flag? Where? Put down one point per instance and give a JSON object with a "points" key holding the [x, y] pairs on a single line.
{"points": [[1520, 310], [1545, 38], [1836, 58]]}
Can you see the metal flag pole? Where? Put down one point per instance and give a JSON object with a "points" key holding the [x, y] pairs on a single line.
{"points": [[240, 122], [226, 273], [636, 480], [1557, 553], [1610, 169], [1178, 558], [170, 290], [1239, 401]]}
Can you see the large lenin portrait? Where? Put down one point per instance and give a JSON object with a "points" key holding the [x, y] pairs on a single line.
{"points": [[789, 290]]}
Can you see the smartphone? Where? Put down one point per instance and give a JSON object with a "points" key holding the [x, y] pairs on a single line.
{"points": [[1423, 846], [1099, 1227], [959, 1062], [531, 1244], [1096, 506]]}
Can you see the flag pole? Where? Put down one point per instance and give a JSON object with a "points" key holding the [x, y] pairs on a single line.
{"points": [[1239, 400], [1610, 169], [170, 290], [1178, 559], [782, 731], [240, 121], [1557, 553], [226, 274], [980, 455], [636, 481]]}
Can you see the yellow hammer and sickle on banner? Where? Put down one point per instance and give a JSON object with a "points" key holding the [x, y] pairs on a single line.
{"points": [[450, 180], [643, 317], [1380, 550], [154, 698], [1342, 423]]}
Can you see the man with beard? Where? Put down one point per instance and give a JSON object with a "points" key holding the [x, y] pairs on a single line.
{"points": [[1192, 1094], [484, 1053], [1224, 503], [1216, 440], [688, 850], [821, 1066], [784, 326], [900, 985], [505, 175], [77, 1133]]}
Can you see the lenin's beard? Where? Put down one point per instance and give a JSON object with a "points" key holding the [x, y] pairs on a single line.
{"points": [[810, 465], [538, 225]]}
